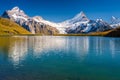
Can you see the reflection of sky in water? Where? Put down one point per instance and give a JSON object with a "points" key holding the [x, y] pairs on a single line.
{"points": [[59, 58], [80, 46]]}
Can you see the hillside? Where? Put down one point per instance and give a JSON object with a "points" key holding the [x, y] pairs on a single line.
{"points": [[114, 33], [8, 27]]}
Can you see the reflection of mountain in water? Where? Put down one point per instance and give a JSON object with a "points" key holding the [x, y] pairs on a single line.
{"points": [[46, 43], [18, 48]]}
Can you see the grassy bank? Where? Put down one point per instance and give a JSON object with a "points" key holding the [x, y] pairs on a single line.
{"points": [[90, 34]]}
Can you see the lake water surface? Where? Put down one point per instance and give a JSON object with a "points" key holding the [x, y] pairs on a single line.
{"points": [[59, 58]]}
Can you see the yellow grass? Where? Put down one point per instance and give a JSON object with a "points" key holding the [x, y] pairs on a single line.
{"points": [[8, 27]]}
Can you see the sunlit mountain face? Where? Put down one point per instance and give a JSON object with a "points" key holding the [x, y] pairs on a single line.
{"points": [[78, 24]]}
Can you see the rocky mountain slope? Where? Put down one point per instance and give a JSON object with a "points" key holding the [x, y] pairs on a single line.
{"points": [[29, 23], [81, 24], [8, 27]]}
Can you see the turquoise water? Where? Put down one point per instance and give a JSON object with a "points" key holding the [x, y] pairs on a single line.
{"points": [[59, 58]]}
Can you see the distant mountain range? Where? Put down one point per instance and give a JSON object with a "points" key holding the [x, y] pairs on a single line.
{"points": [[78, 24]]}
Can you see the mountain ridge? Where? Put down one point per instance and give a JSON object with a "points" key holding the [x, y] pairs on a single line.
{"points": [[78, 24], [17, 15]]}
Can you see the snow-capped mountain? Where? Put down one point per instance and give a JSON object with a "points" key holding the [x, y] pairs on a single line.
{"points": [[56, 25], [15, 14], [78, 24], [81, 24], [91, 26], [115, 22], [76, 21], [33, 24]]}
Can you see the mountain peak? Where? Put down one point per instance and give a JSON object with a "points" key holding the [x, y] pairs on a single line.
{"points": [[15, 8], [115, 20], [81, 16], [15, 14], [38, 17], [99, 20]]}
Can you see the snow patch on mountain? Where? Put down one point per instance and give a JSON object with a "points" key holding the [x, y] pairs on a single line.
{"points": [[56, 25], [115, 22], [77, 20]]}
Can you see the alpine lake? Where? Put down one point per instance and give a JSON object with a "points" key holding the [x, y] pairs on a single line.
{"points": [[59, 58]]}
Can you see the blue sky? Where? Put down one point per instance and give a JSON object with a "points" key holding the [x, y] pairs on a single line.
{"points": [[60, 10]]}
